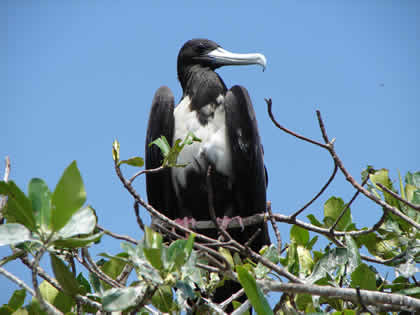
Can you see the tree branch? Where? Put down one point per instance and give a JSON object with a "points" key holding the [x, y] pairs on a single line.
{"points": [[117, 236], [355, 184], [399, 301], [393, 194], [16, 280]]}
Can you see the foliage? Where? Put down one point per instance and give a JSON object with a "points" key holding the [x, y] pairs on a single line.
{"points": [[176, 276]]}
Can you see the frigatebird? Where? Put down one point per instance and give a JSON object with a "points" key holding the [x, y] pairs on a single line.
{"points": [[225, 122]]}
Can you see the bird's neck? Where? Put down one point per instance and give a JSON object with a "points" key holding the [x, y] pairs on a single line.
{"points": [[201, 84]]}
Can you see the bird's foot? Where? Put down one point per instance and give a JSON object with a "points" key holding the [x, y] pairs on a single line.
{"points": [[187, 222], [241, 223], [224, 222]]}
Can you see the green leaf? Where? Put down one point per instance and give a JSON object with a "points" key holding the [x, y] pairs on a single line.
{"points": [[81, 222], [34, 308], [77, 242], [57, 298], [13, 233], [328, 264], [332, 210], [253, 292], [83, 284], [134, 161], [17, 299], [271, 253], [18, 207], [154, 256], [96, 283], [152, 239], [228, 256], [410, 291], [68, 197], [299, 235], [381, 177], [40, 196], [353, 254], [162, 299], [236, 304], [363, 277], [190, 244], [119, 299], [163, 145], [314, 220], [312, 242], [413, 179], [171, 154], [64, 276], [113, 268], [153, 248], [116, 150], [177, 254], [305, 260], [303, 301], [407, 269], [401, 186], [6, 310]]}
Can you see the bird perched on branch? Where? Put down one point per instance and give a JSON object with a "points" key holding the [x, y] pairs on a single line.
{"points": [[224, 120]]}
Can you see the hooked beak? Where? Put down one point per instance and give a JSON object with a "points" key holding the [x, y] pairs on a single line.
{"points": [[222, 57]]}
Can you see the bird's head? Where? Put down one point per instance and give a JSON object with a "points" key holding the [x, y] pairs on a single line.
{"points": [[208, 54]]}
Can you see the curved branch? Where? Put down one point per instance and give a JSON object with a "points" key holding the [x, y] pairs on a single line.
{"points": [[270, 113], [347, 206], [318, 194], [275, 227], [355, 184], [393, 194], [117, 236], [45, 306], [398, 301], [41, 272], [16, 280]]}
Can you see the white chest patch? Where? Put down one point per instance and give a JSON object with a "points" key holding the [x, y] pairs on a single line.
{"points": [[214, 147]]}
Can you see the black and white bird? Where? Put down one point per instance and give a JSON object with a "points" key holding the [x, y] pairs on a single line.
{"points": [[225, 122]]}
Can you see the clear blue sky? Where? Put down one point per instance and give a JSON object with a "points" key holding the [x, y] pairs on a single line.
{"points": [[77, 74]]}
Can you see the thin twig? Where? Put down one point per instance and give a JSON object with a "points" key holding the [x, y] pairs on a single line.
{"points": [[393, 194], [41, 272], [318, 194], [208, 268], [123, 276], [155, 213], [117, 236], [16, 280], [137, 212], [234, 296], [275, 227], [269, 106], [103, 276], [215, 254], [347, 206], [399, 301], [149, 171], [45, 306], [349, 178], [252, 238], [242, 308]]}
